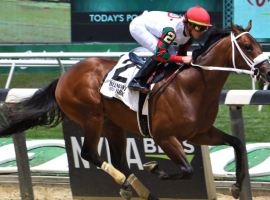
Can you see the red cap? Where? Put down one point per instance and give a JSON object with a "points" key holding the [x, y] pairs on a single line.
{"points": [[197, 15]]}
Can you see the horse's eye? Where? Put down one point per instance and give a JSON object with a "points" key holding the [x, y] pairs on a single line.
{"points": [[248, 47]]}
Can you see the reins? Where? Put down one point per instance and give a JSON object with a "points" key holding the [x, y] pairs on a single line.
{"points": [[250, 63], [224, 69], [167, 80]]}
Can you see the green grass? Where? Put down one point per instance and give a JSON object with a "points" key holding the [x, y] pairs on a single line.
{"points": [[45, 133], [239, 82], [31, 80], [30, 22], [257, 124]]}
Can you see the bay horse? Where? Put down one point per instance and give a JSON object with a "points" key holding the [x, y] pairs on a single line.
{"points": [[183, 110]]}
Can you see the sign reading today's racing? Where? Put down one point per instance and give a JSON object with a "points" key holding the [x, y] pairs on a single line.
{"points": [[88, 26], [87, 180], [112, 17]]}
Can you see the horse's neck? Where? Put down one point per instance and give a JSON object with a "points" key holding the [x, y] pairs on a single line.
{"points": [[218, 55]]}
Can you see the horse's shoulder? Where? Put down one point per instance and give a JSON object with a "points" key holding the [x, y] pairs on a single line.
{"points": [[106, 60]]}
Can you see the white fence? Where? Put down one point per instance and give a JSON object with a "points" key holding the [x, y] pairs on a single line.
{"points": [[41, 60]]}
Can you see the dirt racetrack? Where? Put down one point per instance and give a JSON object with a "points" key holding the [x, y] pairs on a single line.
{"points": [[49, 192], [41, 192]]}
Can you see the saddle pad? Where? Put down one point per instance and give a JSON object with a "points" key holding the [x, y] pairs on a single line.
{"points": [[116, 82]]}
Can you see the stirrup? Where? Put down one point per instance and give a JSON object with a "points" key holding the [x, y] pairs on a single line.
{"points": [[137, 88], [135, 85]]}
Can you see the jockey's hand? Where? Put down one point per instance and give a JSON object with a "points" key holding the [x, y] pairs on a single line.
{"points": [[187, 59]]}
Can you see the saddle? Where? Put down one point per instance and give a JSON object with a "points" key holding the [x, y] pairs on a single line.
{"points": [[136, 59], [114, 85]]}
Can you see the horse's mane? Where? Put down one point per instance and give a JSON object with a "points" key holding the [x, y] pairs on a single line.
{"points": [[214, 35]]}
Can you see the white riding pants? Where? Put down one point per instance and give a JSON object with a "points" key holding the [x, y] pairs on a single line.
{"points": [[140, 33]]}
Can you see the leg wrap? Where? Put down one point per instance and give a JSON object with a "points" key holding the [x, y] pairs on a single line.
{"points": [[118, 176], [142, 191]]}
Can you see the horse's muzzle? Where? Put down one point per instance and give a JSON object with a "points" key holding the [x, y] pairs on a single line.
{"points": [[264, 73]]}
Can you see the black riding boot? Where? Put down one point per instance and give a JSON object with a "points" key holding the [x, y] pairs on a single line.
{"points": [[140, 79]]}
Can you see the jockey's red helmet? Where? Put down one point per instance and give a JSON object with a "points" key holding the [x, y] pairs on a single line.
{"points": [[197, 15]]}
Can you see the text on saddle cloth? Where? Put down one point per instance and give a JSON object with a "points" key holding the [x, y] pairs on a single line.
{"points": [[115, 84]]}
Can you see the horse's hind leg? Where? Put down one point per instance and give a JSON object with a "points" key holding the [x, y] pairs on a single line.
{"points": [[116, 137], [174, 150], [216, 137]]}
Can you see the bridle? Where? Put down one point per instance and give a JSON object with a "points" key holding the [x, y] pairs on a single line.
{"points": [[253, 72], [259, 59]]}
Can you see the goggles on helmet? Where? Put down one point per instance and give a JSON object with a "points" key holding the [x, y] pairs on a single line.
{"points": [[199, 28]]}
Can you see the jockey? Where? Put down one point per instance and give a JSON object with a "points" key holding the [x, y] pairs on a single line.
{"points": [[159, 31]]}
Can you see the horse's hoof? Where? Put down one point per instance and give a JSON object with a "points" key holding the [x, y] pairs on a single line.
{"points": [[149, 166], [235, 191], [126, 194], [152, 197]]}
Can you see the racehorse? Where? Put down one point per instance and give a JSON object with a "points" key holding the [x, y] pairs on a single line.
{"points": [[185, 109]]}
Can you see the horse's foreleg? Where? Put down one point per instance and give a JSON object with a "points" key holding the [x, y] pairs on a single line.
{"points": [[116, 137], [92, 129], [174, 150], [216, 137]]}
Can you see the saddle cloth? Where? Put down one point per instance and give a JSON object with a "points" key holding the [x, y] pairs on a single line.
{"points": [[115, 84]]}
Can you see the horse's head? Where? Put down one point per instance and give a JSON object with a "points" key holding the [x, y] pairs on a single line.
{"points": [[249, 54]]}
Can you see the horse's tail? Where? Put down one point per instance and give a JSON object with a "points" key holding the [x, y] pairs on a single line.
{"points": [[39, 110]]}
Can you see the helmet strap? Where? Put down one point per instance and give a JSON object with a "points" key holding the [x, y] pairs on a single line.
{"points": [[190, 35], [189, 30]]}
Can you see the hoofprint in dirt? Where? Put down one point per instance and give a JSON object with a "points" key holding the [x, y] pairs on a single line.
{"points": [[45, 192]]}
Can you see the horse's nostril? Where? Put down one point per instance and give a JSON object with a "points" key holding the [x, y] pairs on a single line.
{"points": [[268, 74]]}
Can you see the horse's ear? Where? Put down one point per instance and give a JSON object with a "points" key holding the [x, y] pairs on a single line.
{"points": [[235, 29], [248, 26]]}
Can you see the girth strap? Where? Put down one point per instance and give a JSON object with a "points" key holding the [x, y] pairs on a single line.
{"points": [[143, 119]]}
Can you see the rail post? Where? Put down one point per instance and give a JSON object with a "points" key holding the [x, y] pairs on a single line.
{"points": [[61, 66], [10, 75], [237, 127], [25, 179]]}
